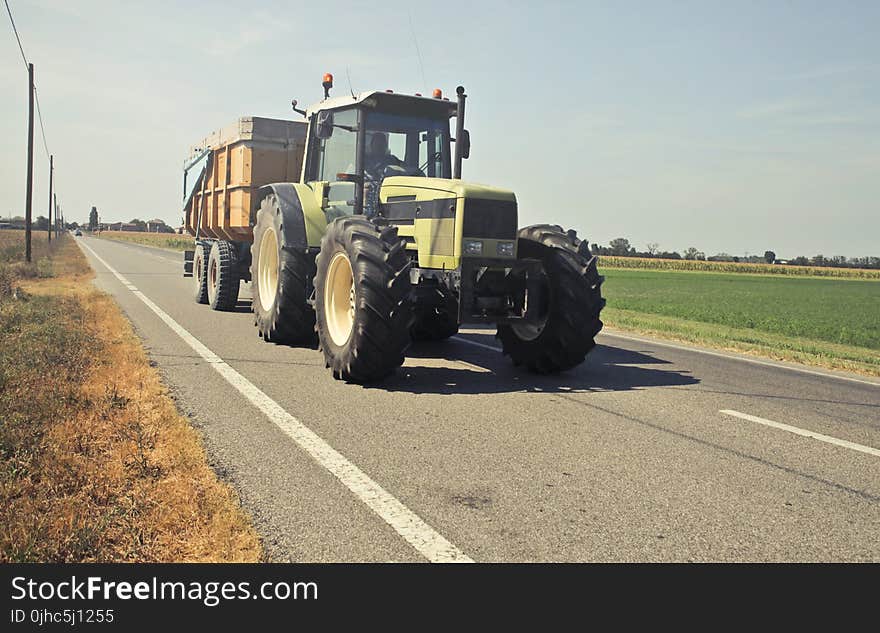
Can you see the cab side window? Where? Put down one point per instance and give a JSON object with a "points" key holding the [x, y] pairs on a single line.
{"points": [[337, 156]]}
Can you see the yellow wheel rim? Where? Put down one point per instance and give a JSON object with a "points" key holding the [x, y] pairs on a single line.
{"points": [[339, 299], [267, 269]]}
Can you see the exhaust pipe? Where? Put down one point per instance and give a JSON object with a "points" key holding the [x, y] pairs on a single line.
{"points": [[459, 132]]}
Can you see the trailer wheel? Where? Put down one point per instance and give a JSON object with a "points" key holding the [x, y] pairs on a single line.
{"points": [[223, 280], [280, 275], [569, 322], [362, 308], [200, 274]]}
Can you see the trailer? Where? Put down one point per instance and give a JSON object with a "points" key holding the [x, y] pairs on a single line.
{"points": [[222, 177]]}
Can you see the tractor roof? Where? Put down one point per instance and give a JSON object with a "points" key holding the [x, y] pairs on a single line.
{"points": [[384, 100]]}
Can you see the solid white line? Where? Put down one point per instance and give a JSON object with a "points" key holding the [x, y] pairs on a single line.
{"points": [[798, 431], [754, 361], [404, 521]]}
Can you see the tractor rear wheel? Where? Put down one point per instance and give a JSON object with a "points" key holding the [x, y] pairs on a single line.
{"points": [[569, 317], [223, 280], [200, 274], [280, 274], [362, 307]]}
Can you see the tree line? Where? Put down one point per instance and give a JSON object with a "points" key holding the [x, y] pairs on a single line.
{"points": [[621, 247]]}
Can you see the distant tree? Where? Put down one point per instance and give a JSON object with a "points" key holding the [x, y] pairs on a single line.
{"points": [[42, 223], [73, 225], [137, 222], [819, 260], [653, 248], [769, 257], [93, 219], [691, 253], [800, 260], [620, 246]]}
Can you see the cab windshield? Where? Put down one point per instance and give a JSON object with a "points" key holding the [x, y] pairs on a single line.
{"points": [[406, 145]]}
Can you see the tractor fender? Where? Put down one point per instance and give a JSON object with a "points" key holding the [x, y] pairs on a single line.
{"points": [[304, 223]]}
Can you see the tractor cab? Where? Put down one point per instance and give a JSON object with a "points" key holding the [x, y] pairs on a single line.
{"points": [[356, 142]]}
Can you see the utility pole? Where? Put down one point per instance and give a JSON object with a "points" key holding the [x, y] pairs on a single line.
{"points": [[57, 215], [51, 199], [30, 165]]}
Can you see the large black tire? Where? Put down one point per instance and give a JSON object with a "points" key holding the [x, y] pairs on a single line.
{"points": [[376, 299], [436, 322], [200, 274], [573, 301], [223, 279], [282, 313]]}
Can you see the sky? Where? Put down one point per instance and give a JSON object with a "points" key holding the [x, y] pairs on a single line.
{"points": [[733, 127]]}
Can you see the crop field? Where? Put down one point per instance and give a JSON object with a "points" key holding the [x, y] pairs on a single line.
{"points": [[171, 241], [643, 263], [816, 320]]}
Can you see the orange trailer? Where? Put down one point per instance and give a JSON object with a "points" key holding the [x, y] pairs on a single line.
{"points": [[227, 167]]}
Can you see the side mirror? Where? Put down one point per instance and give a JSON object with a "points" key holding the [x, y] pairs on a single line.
{"points": [[324, 127], [465, 141]]}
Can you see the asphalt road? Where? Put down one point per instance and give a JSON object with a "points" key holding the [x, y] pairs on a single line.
{"points": [[630, 457]]}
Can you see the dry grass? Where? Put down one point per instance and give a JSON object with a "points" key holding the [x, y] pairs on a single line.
{"points": [[95, 462]]}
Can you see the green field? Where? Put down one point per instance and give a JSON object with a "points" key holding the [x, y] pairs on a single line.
{"points": [[834, 322]]}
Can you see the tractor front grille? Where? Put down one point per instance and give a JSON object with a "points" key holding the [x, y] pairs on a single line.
{"points": [[490, 219]]}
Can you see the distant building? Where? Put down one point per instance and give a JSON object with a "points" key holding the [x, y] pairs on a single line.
{"points": [[123, 226], [158, 226]]}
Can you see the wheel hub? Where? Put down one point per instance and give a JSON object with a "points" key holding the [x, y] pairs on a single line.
{"points": [[267, 269]]}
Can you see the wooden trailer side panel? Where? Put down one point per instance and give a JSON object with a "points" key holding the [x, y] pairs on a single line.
{"points": [[245, 156]]}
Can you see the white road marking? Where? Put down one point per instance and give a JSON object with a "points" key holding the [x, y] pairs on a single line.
{"points": [[754, 361], [475, 344], [427, 541], [798, 431]]}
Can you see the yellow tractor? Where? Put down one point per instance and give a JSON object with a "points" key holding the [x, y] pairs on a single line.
{"points": [[379, 241]]}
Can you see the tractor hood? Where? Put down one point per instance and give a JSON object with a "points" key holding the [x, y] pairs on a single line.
{"points": [[433, 188]]}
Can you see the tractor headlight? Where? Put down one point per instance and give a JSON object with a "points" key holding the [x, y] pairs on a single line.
{"points": [[473, 247], [505, 249]]}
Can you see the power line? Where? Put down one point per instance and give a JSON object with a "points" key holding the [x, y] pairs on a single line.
{"points": [[15, 30], [40, 117], [412, 30], [36, 96]]}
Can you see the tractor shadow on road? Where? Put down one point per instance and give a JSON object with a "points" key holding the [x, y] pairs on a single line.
{"points": [[454, 367]]}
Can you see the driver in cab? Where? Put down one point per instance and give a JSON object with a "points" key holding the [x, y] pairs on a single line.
{"points": [[379, 158]]}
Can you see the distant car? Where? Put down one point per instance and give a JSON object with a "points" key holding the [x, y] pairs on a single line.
{"points": [[78, 233]]}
